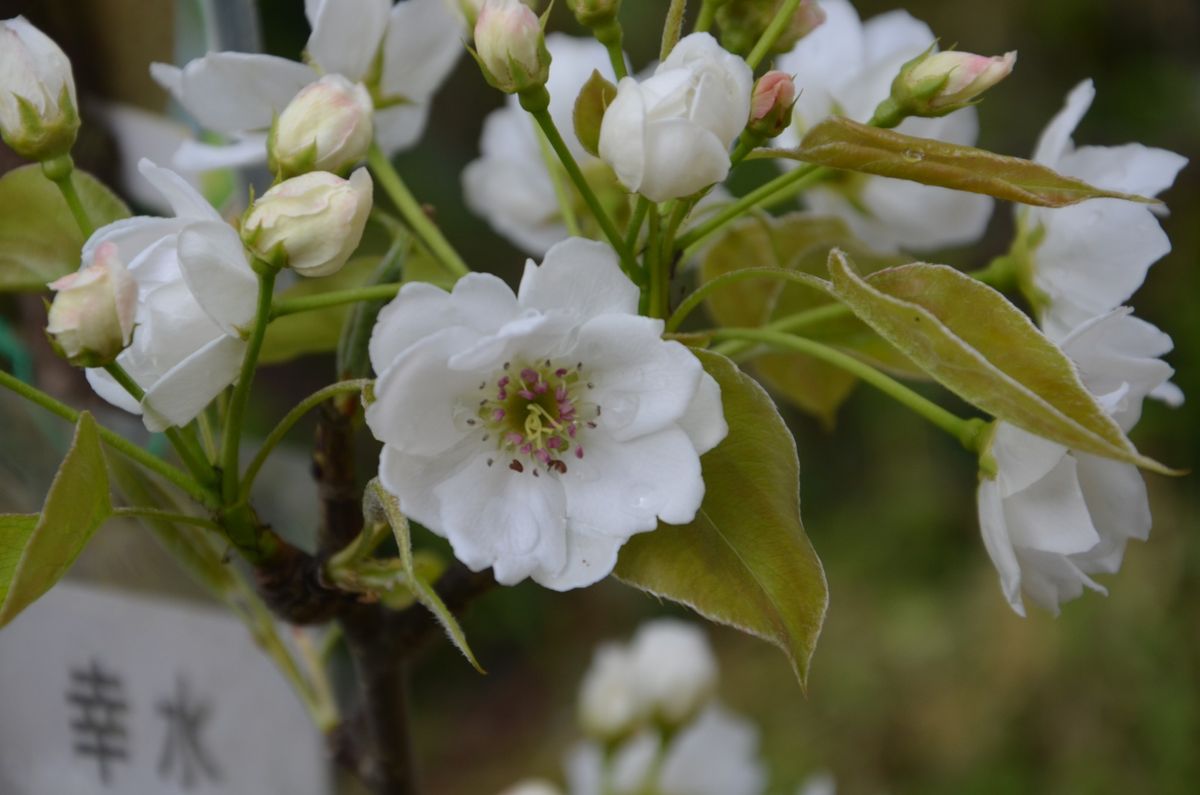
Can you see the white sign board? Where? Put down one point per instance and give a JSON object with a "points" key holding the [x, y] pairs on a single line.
{"points": [[104, 692]]}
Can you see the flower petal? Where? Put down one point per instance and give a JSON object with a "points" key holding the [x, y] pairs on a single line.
{"points": [[579, 276], [346, 35], [1115, 494], [590, 558], [423, 43], [400, 127], [623, 134], [215, 270], [1051, 515], [1132, 168], [1055, 141], [994, 529], [717, 754], [681, 159], [704, 421], [185, 200], [247, 150], [185, 389]]}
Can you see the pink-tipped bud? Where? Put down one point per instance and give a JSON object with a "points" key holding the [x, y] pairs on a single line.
{"points": [[937, 83], [91, 319], [328, 126], [511, 46], [771, 104]]}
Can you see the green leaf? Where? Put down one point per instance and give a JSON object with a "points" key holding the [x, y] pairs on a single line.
{"points": [[318, 331], [418, 579], [844, 144], [798, 242], [981, 347], [745, 560], [33, 560], [593, 100], [39, 239]]}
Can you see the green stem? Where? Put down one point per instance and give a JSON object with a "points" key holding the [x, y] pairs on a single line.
{"points": [[119, 443], [809, 317], [308, 303], [690, 241], [708, 13], [426, 231], [191, 456], [672, 28], [656, 301], [967, 431], [136, 512], [635, 223], [704, 290], [611, 36], [288, 421], [536, 101], [231, 439], [59, 170], [560, 190], [783, 18]]}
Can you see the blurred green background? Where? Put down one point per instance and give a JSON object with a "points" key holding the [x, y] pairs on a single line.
{"points": [[924, 681]]}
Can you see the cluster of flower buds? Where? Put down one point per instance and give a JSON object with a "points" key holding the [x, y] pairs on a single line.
{"points": [[510, 45], [327, 127], [311, 223], [937, 83], [743, 22], [91, 318], [38, 111]]}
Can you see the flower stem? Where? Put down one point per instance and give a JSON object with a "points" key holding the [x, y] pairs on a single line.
{"points": [[611, 36], [656, 299], [231, 438], [704, 290], [117, 442], [672, 28], [309, 303], [426, 231], [537, 103], [59, 170], [783, 17], [635, 223], [288, 421], [967, 431], [560, 190], [708, 13], [138, 512]]}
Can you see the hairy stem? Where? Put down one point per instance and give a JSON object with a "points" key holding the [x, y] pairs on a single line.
{"points": [[672, 28]]}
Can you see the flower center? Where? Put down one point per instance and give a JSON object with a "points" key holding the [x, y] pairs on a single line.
{"points": [[536, 414]]}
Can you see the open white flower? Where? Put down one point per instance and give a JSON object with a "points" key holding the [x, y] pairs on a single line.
{"points": [[195, 295], [1053, 516], [510, 184], [1089, 258], [238, 94], [715, 755], [846, 67], [669, 135], [539, 431]]}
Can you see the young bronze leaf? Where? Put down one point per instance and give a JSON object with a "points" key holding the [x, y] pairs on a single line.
{"points": [[745, 559], [981, 347], [33, 560], [39, 238], [594, 98], [844, 144]]}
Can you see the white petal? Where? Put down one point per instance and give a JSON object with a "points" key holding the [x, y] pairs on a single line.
{"points": [[642, 383], [424, 40], [247, 150], [233, 92], [1131, 168], [531, 337], [994, 530], [108, 389], [1051, 515], [139, 133], [184, 390], [185, 200], [1120, 509], [215, 270], [903, 214], [1055, 141], [590, 558], [400, 127], [132, 236], [895, 32], [704, 420], [579, 276], [1052, 579], [1023, 458], [715, 755], [828, 57], [623, 134], [585, 769], [621, 488], [681, 159], [346, 35]]}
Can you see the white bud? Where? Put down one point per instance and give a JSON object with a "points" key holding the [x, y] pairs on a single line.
{"points": [[38, 116], [311, 223], [676, 670], [91, 318], [962, 76], [610, 705], [326, 127], [511, 46]]}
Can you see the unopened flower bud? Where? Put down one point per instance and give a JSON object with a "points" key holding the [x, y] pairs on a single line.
{"points": [[326, 127], [938, 83], [743, 22], [771, 104], [38, 111], [311, 223], [594, 13], [91, 318], [511, 46]]}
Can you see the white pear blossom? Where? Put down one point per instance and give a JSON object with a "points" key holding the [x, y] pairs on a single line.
{"points": [[717, 754], [669, 135], [1087, 259], [511, 185], [196, 295], [416, 42], [1052, 517], [665, 674], [35, 75], [538, 431], [846, 67]]}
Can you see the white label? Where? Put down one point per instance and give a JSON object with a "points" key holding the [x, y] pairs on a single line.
{"points": [[104, 692]]}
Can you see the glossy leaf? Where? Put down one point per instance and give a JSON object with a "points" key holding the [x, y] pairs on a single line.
{"points": [[39, 238], [981, 347], [33, 559], [594, 98], [844, 144], [745, 559]]}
